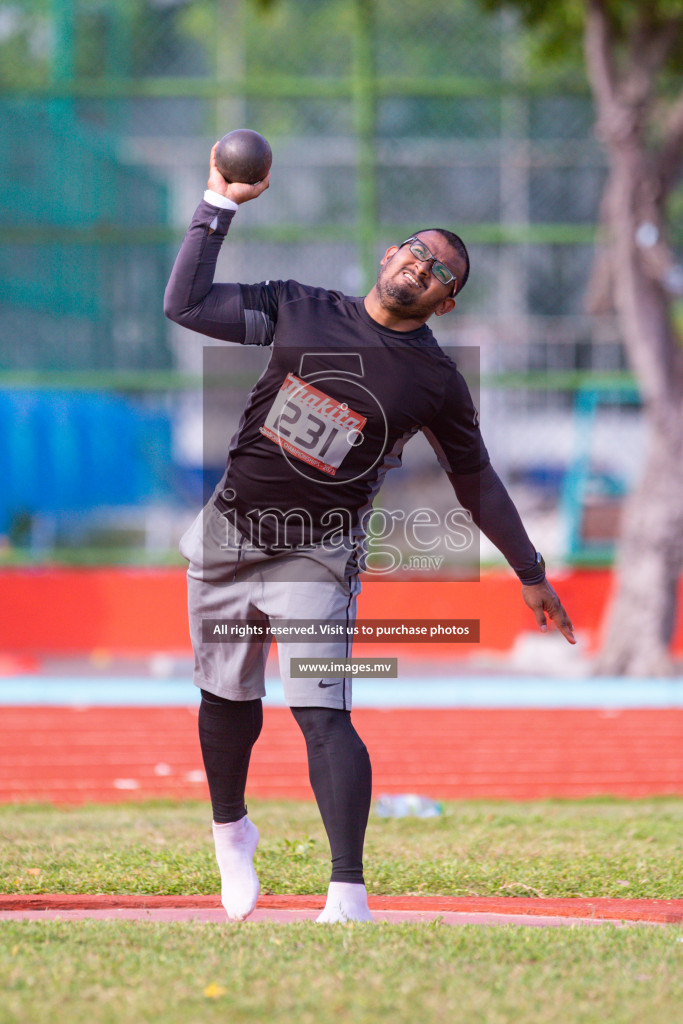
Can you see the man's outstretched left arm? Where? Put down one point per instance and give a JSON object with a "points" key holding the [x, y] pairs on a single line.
{"points": [[484, 495]]}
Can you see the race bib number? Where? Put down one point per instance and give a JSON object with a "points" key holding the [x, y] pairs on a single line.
{"points": [[311, 426]]}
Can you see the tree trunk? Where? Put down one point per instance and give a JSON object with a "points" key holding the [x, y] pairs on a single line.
{"points": [[650, 550], [642, 613]]}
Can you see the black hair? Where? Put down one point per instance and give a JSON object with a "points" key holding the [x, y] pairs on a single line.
{"points": [[456, 243]]}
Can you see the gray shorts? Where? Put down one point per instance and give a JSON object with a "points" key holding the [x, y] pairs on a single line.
{"points": [[228, 578]]}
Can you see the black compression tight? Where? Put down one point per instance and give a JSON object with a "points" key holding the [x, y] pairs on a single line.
{"points": [[338, 767], [341, 778], [228, 729]]}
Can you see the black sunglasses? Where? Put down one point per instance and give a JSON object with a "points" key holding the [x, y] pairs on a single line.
{"points": [[439, 270]]}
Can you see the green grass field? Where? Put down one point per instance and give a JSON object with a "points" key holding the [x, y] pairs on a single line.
{"points": [[109, 972], [541, 848]]}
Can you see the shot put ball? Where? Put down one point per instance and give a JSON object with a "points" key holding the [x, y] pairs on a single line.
{"points": [[244, 156]]}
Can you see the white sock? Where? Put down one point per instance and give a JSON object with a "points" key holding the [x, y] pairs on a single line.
{"points": [[346, 901], [236, 842]]}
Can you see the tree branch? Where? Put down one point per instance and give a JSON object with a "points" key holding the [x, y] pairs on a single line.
{"points": [[598, 46], [651, 44], [649, 47], [599, 297], [623, 95], [671, 151]]}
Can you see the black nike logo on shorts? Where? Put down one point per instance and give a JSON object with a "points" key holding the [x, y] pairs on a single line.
{"points": [[323, 685]]}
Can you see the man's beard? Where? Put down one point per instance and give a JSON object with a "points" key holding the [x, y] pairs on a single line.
{"points": [[399, 297]]}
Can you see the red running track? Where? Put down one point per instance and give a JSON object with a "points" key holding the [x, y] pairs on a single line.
{"points": [[67, 755], [480, 909]]}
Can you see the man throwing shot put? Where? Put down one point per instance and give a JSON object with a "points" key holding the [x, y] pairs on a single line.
{"points": [[348, 382]]}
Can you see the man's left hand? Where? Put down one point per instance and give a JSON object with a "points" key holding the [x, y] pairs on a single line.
{"points": [[541, 598]]}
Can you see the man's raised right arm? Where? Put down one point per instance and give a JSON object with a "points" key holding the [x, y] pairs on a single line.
{"points": [[191, 298]]}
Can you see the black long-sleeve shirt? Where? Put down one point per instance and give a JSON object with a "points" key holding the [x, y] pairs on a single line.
{"points": [[330, 414]]}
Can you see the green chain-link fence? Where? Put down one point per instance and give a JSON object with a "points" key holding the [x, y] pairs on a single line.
{"points": [[384, 117]]}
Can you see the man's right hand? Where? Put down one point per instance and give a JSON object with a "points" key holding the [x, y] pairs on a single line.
{"points": [[238, 191]]}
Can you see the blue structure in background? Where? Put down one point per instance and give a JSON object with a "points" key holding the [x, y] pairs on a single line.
{"points": [[581, 480], [73, 452]]}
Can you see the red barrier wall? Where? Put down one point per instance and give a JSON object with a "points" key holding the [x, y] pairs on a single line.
{"points": [[135, 611]]}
